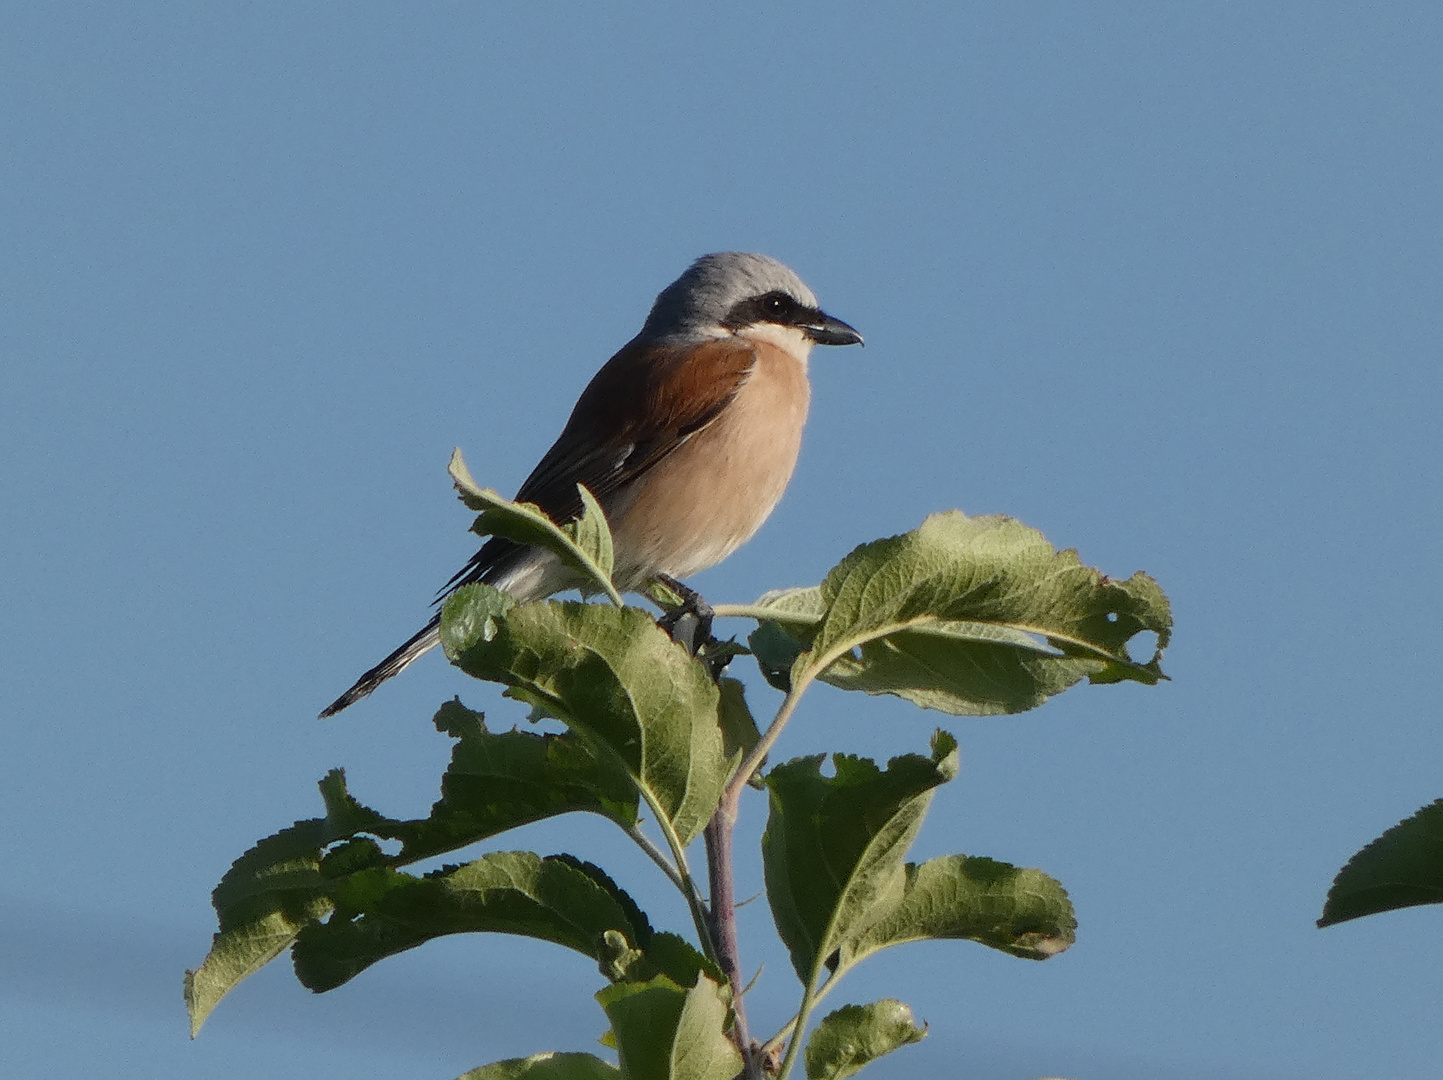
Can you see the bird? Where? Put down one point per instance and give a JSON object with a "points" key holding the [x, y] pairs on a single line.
{"points": [[687, 438]]}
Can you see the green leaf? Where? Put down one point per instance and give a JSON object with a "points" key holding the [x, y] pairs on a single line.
{"points": [[616, 679], [499, 781], [270, 894], [665, 1032], [834, 847], [551, 1066], [287, 883], [952, 675], [776, 649], [1402, 868], [738, 726], [584, 545], [1019, 911], [853, 1036], [472, 613], [494, 783], [776, 643], [383, 912], [800, 606], [665, 954], [970, 616], [701, 1049], [592, 534]]}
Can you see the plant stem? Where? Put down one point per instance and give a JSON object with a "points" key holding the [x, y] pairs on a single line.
{"points": [[721, 875], [771, 1045], [753, 761], [699, 914], [723, 921], [657, 856], [809, 998], [764, 614]]}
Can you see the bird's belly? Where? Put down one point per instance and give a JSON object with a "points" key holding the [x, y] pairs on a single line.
{"points": [[714, 491]]}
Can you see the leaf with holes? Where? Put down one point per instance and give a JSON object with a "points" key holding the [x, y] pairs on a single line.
{"points": [[834, 847], [970, 616], [501, 780], [284, 886], [381, 912], [273, 892]]}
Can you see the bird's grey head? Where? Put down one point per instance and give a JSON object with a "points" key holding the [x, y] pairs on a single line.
{"points": [[730, 290]]}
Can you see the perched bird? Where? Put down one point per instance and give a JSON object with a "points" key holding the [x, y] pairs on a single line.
{"points": [[687, 437]]}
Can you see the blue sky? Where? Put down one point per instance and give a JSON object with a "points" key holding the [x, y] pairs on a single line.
{"points": [[1163, 281]]}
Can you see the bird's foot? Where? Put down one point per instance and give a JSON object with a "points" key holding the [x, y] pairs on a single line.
{"points": [[689, 622]]}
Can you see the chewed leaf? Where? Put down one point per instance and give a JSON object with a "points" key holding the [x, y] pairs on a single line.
{"points": [[1402, 868], [385, 912], [834, 847], [991, 570], [288, 883], [584, 545], [271, 893], [964, 676], [500, 780], [970, 616]]}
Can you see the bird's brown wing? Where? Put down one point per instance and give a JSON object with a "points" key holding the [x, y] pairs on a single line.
{"points": [[645, 402]]}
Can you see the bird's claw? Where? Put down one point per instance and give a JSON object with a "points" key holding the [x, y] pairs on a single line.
{"points": [[690, 622]]}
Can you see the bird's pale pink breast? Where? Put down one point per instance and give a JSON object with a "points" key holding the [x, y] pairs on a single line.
{"points": [[714, 491]]}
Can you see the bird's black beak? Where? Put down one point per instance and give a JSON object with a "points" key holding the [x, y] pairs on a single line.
{"points": [[825, 330]]}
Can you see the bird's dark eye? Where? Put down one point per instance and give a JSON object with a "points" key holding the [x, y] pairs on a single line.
{"points": [[778, 306], [772, 307]]}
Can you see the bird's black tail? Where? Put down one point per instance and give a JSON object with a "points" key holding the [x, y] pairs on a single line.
{"points": [[506, 565], [394, 664]]}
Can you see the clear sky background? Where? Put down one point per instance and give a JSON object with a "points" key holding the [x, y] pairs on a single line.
{"points": [[1162, 280]]}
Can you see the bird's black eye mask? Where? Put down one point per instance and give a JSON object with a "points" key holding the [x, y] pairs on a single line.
{"points": [[773, 307]]}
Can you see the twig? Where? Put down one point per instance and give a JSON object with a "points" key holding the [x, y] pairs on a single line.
{"points": [[657, 856], [723, 919]]}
